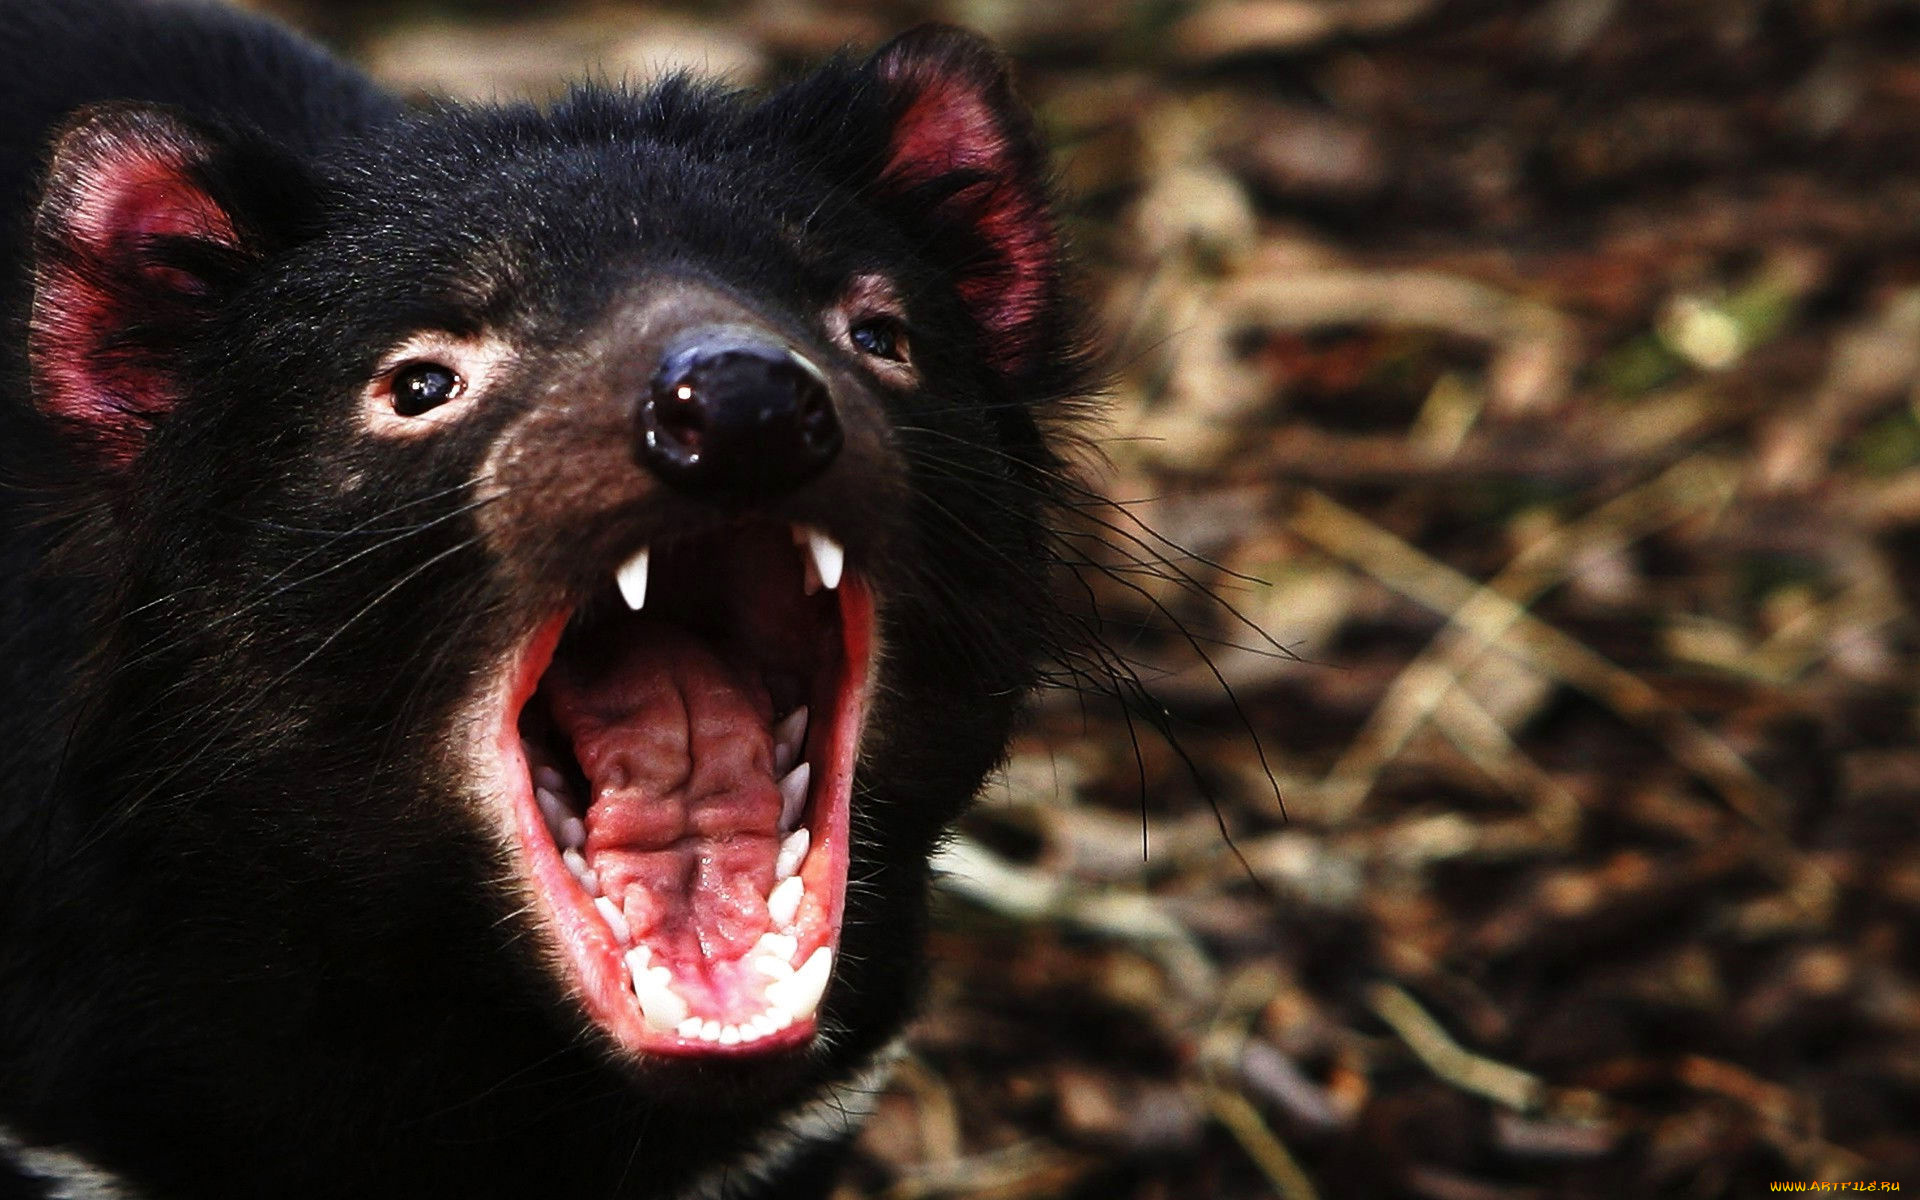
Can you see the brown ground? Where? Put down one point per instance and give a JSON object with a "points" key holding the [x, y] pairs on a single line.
{"points": [[1543, 376]]}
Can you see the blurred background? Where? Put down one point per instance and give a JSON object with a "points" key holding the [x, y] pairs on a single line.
{"points": [[1526, 395]]}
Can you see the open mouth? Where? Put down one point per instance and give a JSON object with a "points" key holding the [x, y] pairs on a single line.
{"points": [[679, 753]]}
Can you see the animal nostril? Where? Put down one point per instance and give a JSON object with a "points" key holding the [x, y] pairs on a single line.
{"points": [[733, 415], [677, 416], [815, 408], [815, 415]]}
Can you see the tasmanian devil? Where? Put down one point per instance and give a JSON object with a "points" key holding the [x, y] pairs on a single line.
{"points": [[500, 603]]}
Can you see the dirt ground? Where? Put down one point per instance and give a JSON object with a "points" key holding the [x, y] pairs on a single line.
{"points": [[1514, 463]]}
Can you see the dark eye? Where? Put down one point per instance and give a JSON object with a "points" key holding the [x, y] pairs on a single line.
{"points": [[418, 387], [881, 337]]}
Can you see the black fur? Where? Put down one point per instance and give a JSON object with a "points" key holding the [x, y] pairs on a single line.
{"points": [[253, 938]]}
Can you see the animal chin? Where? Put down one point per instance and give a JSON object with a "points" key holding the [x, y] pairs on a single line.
{"points": [[676, 759]]}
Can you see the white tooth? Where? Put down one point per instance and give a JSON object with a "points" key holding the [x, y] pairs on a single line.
{"points": [[827, 557], [661, 1021], [793, 852], [776, 1015], [572, 833], [763, 1023], [660, 976], [749, 1033], [777, 945], [637, 960], [632, 578], [800, 995], [793, 795], [549, 779], [710, 1031], [660, 1006], [581, 871], [729, 1035], [784, 901], [689, 1028], [610, 913], [553, 809], [788, 736], [771, 967]]}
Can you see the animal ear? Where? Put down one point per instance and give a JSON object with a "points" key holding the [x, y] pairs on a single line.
{"points": [[966, 168], [146, 222]]}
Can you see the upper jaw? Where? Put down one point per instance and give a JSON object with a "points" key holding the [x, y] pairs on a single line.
{"points": [[701, 919], [824, 560]]}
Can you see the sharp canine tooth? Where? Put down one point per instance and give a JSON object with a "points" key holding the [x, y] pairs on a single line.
{"points": [[828, 558], [800, 995], [610, 913], [788, 736], [660, 1006], [793, 795], [572, 833], [793, 852], [784, 901], [637, 960], [632, 578], [549, 779]]}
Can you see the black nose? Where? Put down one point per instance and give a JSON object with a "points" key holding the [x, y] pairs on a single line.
{"points": [[732, 414]]}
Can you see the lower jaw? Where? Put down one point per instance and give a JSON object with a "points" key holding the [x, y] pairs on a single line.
{"points": [[584, 951]]}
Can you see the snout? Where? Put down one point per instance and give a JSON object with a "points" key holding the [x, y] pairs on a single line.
{"points": [[733, 415], [683, 412]]}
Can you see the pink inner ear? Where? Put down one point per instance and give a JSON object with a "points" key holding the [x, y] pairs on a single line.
{"points": [[105, 280], [147, 198], [950, 126], [947, 127]]}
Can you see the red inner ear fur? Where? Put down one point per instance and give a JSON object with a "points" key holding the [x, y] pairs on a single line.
{"points": [[951, 124], [111, 195], [149, 200], [947, 127]]}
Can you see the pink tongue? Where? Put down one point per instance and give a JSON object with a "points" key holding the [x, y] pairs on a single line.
{"points": [[683, 822]]}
